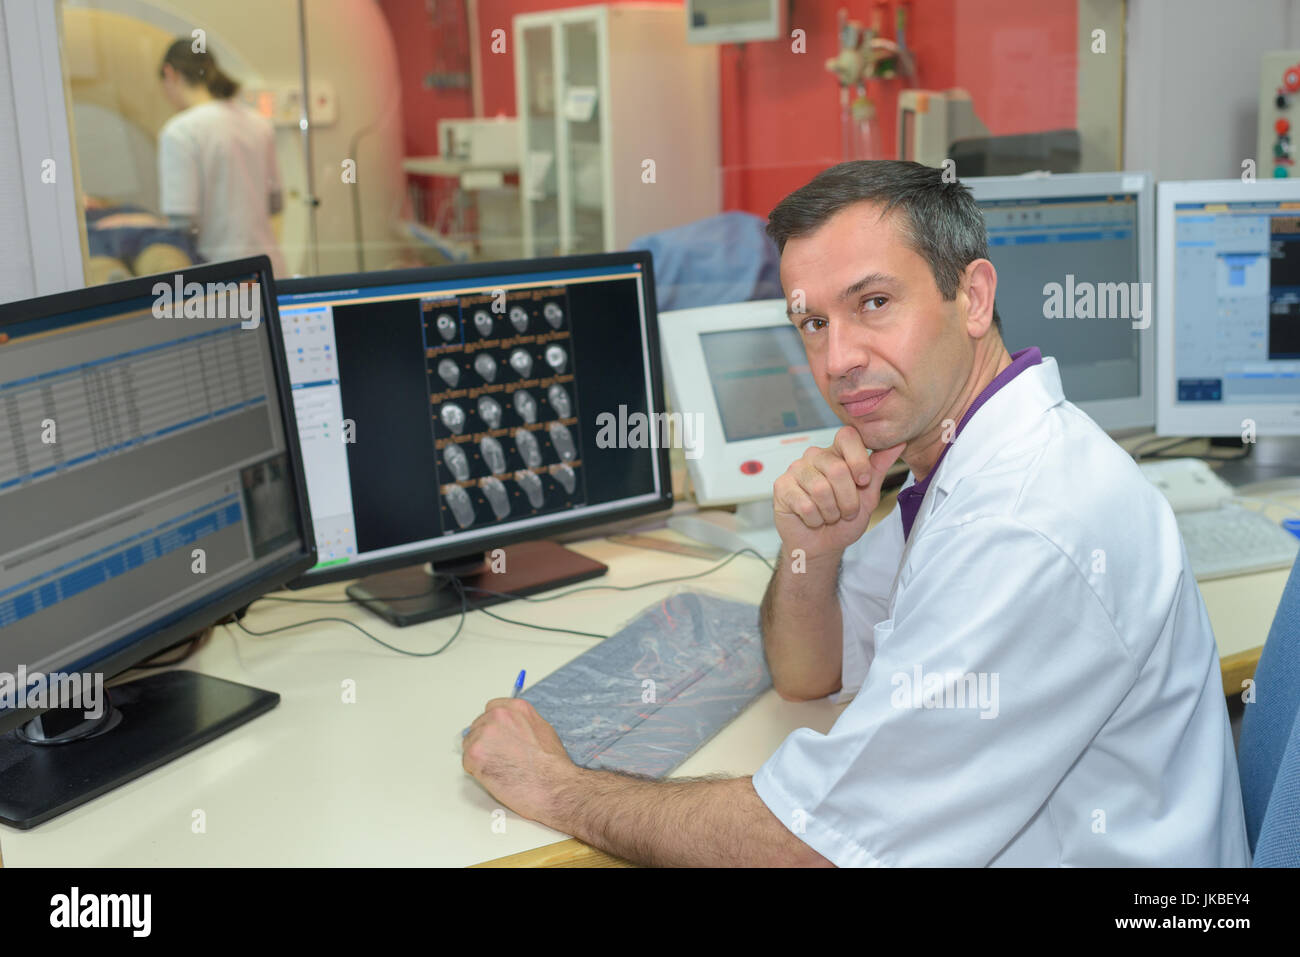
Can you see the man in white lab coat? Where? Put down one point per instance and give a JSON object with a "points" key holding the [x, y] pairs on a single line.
{"points": [[1033, 673]]}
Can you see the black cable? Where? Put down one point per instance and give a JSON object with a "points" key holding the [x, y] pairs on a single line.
{"points": [[191, 647], [464, 605], [1142, 452], [1205, 457], [345, 601], [524, 624], [660, 581]]}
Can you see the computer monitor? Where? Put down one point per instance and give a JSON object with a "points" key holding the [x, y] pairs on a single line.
{"points": [[1074, 253], [151, 484], [738, 374], [449, 412], [1228, 323]]}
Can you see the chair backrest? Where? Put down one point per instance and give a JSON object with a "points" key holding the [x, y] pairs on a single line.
{"points": [[1268, 753]]}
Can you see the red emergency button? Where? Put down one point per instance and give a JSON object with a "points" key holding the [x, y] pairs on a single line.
{"points": [[1291, 78], [751, 467], [1282, 126]]}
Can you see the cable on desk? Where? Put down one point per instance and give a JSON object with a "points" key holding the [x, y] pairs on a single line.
{"points": [[349, 601], [570, 631], [401, 651], [464, 610], [525, 624], [659, 581], [1204, 456], [189, 647], [1144, 451]]}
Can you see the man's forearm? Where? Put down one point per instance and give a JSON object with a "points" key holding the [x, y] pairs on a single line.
{"points": [[803, 632], [688, 823]]}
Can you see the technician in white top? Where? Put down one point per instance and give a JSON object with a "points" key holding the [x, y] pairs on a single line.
{"points": [[1035, 679], [217, 171]]}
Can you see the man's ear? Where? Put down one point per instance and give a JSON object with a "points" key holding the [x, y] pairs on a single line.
{"points": [[980, 281]]}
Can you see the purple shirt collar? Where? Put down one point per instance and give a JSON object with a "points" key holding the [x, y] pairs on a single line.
{"points": [[909, 499]]}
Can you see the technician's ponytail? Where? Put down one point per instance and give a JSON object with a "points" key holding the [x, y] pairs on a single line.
{"points": [[199, 69]]}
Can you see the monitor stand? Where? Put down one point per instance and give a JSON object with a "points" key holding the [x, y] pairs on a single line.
{"points": [[61, 760], [750, 527], [421, 593]]}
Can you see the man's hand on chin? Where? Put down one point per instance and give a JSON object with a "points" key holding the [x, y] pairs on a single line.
{"points": [[514, 753]]}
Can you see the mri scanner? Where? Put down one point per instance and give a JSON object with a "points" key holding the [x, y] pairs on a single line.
{"points": [[111, 51]]}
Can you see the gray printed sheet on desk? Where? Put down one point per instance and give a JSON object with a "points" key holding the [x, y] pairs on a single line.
{"points": [[647, 697]]}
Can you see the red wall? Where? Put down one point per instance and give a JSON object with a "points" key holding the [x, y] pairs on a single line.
{"points": [[423, 49], [779, 113], [781, 110]]}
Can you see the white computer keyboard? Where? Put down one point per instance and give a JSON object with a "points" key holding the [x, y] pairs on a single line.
{"points": [[1222, 537], [1234, 540]]}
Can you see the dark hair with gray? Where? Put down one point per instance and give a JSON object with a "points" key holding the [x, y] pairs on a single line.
{"points": [[939, 220]]}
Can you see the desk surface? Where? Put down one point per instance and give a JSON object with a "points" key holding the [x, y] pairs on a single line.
{"points": [[317, 781]]}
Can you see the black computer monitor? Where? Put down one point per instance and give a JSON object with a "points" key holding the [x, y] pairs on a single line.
{"points": [[469, 412], [150, 485]]}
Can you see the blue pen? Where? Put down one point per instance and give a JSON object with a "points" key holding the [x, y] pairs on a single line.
{"points": [[519, 684]]}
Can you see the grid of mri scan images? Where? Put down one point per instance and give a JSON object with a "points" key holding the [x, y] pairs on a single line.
{"points": [[504, 409]]}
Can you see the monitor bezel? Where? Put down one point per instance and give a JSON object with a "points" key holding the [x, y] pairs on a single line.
{"points": [[1174, 418], [715, 480], [454, 549], [1114, 415], [109, 662]]}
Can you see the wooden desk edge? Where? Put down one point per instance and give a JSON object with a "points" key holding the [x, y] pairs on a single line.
{"points": [[570, 853], [1238, 668]]}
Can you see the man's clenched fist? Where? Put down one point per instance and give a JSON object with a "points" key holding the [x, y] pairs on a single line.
{"points": [[824, 500]]}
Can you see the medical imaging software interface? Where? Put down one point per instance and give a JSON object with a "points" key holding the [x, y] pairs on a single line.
{"points": [[1033, 242], [143, 471], [762, 383], [1237, 302], [460, 408]]}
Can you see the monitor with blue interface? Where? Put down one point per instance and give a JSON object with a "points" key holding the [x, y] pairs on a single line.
{"points": [[150, 484], [1229, 310], [1074, 254]]}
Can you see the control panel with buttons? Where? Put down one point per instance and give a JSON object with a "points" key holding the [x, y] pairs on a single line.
{"points": [[1279, 96]]}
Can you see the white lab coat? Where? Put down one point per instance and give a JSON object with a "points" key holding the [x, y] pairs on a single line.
{"points": [[1042, 563], [217, 163]]}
